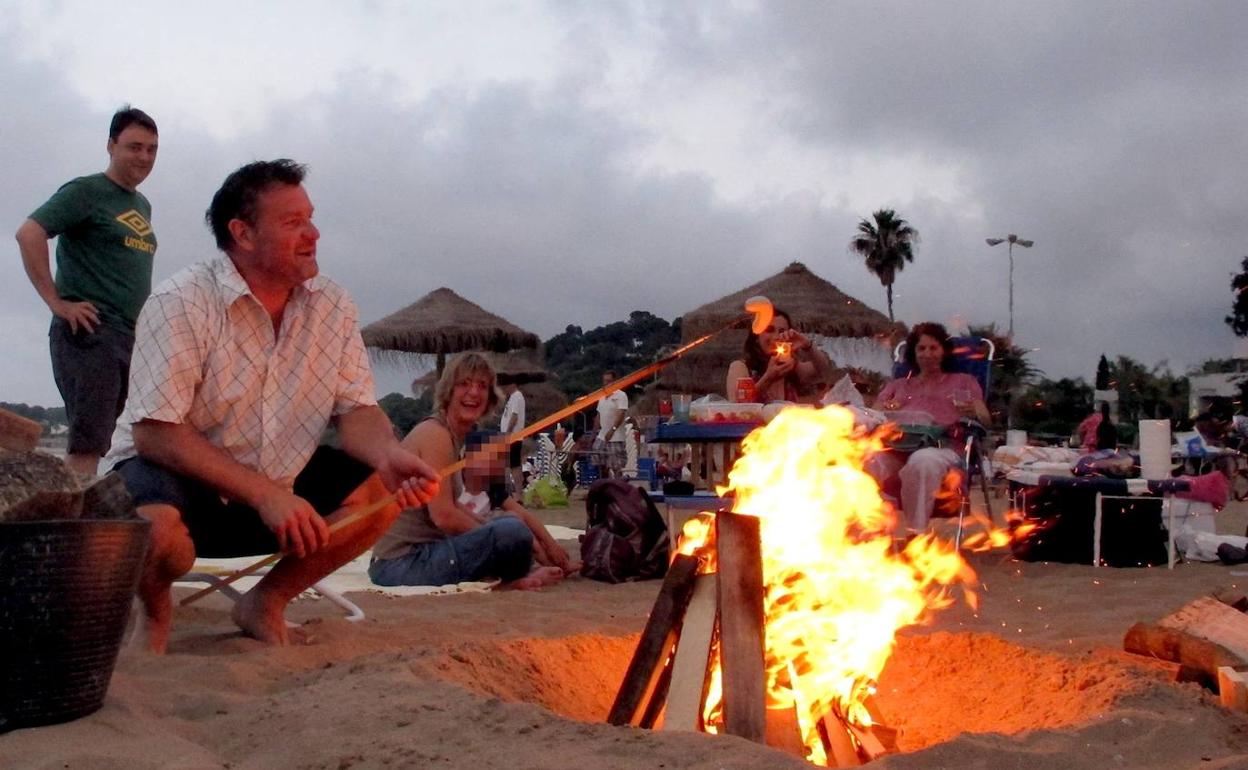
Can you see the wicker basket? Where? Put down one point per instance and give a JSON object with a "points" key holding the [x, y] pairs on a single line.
{"points": [[66, 587]]}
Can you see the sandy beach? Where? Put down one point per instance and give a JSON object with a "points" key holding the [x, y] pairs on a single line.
{"points": [[1034, 679]]}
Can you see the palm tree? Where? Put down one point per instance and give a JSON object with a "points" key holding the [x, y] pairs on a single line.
{"points": [[887, 244]]}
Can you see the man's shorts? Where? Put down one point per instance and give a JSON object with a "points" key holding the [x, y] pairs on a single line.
{"points": [[222, 529], [513, 459], [92, 371], [616, 456]]}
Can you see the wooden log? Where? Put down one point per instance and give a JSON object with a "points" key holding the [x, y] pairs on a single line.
{"points": [[1192, 652], [1210, 619], [1231, 597], [656, 641], [684, 698], [18, 433], [1233, 688], [841, 749], [784, 732], [656, 699], [741, 625]]}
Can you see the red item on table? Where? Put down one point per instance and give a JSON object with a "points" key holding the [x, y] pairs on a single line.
{"points": [[745, 390]]}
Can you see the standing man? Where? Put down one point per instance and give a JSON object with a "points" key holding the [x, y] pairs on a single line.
{"points": [[240, 364], [512, 421], [104, 252], [611, 413]]}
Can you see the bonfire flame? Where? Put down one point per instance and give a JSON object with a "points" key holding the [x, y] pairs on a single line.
{"points": [[836, 589]]}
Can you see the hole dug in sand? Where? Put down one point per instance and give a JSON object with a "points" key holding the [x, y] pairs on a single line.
{"points": [[934, 688]]}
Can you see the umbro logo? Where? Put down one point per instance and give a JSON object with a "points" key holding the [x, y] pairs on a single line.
{"points": [[136, 222]]}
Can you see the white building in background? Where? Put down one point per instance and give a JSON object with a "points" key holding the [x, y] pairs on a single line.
{"points": [[858, 352], [1205, 387]]}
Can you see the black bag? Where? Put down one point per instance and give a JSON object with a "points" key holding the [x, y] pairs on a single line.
{"points": [[625, 535]]}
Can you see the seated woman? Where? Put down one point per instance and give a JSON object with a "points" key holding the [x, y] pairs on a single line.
{"points": [[780, 363], [947, 396], [444, 542]]}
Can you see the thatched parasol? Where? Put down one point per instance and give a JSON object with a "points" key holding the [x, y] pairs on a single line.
{"points": [[443, 322], [816, 306]]}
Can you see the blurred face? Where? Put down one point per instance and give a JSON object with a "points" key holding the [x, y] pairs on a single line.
{"points": [[771, 334], [131, 156], [608, 378], [928, 353], [280, 247]]}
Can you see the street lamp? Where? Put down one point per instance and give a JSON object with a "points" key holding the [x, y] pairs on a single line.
{"points": [[1026, 244]]}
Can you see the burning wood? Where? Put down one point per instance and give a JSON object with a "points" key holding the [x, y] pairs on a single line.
{"points": [[811, 592]]}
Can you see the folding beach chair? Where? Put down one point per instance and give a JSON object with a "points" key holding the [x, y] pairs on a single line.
{"points": [[973, 356], [203, 573]]}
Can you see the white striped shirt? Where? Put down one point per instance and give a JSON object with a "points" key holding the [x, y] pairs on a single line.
{"points": [[205, 355]]}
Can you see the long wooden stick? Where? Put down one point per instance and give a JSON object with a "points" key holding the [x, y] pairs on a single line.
{"points": [[520, 435]]}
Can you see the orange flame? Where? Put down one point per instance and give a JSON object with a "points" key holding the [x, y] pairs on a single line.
{"points": [[836, 588]]}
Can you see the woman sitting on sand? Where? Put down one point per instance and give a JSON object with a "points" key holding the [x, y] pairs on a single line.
{"points": [[445, 542], [780, 364], [945, 395]]}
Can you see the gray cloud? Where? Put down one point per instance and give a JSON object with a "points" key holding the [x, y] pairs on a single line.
{"points": [[1111, 138]]}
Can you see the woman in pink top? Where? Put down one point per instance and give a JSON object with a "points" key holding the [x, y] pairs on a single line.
{"points": [[933, 388]]}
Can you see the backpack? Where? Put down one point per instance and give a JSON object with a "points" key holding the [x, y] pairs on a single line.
{"points": [[625, 535]]}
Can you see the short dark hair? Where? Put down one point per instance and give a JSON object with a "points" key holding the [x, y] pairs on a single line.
{"points": [[239, 192], [937, 332], [130, 116]]}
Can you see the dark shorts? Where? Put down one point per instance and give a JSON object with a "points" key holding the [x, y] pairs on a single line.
{"points": [[514, 460], [92, 370], [224, 530]]}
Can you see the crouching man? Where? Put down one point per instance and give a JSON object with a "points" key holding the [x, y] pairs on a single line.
{"points": [[240, 363]]}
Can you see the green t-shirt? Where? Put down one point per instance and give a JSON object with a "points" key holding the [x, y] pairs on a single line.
{"points": [[105, 245]]}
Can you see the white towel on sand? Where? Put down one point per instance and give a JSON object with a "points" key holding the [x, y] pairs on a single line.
{"points": [[353, 576]]}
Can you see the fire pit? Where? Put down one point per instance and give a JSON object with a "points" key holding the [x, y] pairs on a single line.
{"points": [[777, 618]]}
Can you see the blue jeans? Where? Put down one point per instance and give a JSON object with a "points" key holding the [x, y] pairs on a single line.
{"points": [[501, 548]]}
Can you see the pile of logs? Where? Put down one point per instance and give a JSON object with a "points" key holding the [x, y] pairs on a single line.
{"points": [[39, 487], [696, 615], [1208, 639]]}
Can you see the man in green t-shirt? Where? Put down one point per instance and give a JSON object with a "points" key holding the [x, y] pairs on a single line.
{"points": [[104, 252]]}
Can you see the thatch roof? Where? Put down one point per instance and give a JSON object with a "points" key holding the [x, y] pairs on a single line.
{"points": [[815, 305], [522, 365], [443, 322]]}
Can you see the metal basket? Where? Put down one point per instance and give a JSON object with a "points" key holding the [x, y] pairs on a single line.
{"points": [[66, 587]]}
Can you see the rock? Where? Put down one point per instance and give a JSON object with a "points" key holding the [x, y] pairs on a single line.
{"points": [[36, 486]]}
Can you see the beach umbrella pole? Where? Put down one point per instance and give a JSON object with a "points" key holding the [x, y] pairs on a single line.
{"points": [[759, 312]]}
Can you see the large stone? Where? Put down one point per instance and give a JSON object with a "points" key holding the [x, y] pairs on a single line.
{"points": [[37, 487]]}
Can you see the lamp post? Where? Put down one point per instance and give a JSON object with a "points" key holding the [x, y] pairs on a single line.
{"points": [[1026, 244]]}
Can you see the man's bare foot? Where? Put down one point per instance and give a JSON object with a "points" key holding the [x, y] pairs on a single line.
{"points": [[540, 577], [261, 618], [157, 619]]}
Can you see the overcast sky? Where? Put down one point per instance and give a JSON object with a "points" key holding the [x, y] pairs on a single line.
{"points": [[568, 162]]}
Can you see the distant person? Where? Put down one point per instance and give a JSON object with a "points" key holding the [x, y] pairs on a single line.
{"points": [[512, 421], [104, 252], [1086, 432], [612, 410], [241, 362], [445, 541], [780, 364]]}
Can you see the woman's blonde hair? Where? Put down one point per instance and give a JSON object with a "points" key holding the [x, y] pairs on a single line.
{"points": [[462, 367]]}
